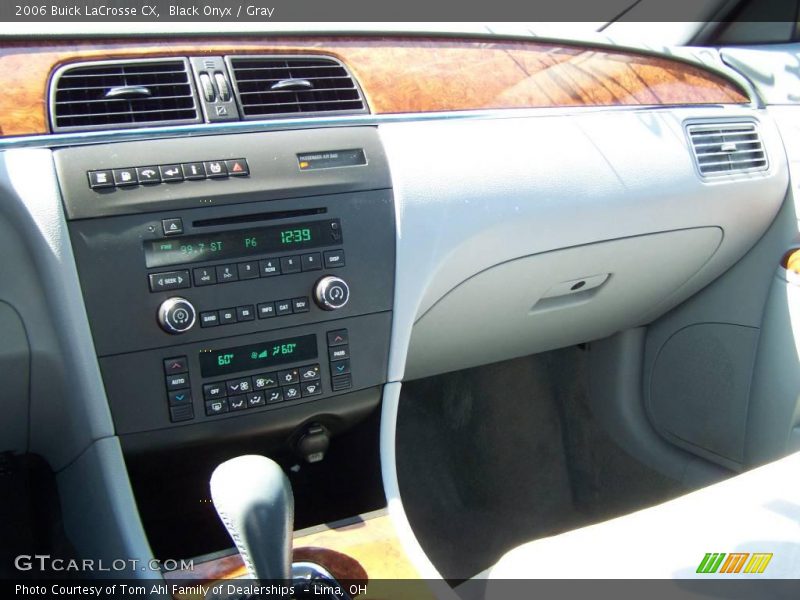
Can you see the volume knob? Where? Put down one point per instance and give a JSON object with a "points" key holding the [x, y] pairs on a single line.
{"points": [[176, 315], [331, 293]]}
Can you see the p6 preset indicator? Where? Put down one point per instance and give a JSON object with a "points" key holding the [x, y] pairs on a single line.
{"points": [[241, 243]]}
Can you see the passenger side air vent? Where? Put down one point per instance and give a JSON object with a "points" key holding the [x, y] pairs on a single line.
{"points": [[727, 148], [116, 94], [269, 86]]}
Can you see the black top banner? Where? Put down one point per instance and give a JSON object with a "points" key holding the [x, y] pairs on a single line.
{"points": [[409, 11]]}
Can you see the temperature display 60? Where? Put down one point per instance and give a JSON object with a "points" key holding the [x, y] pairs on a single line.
{"points": [[257, 356]]}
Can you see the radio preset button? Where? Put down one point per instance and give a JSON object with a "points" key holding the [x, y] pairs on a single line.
{"points": [[176, 315], [248, 270], [269, 267], [290, 264], [170, 280], [205, 276], [311, 262], [227, 273]]}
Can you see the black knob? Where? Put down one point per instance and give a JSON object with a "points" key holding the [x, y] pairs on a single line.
{"points": [[176, 315], [331, 293]]}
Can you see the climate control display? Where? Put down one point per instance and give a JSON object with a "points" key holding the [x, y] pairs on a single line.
{"points": [[257, 356]]}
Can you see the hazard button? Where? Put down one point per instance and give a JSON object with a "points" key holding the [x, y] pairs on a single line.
{"points": [[172, 226], [237, 167]]}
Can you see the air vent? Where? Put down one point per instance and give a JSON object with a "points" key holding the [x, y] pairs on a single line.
{"points": [[116, 94], [727, 148], [271, 86]]}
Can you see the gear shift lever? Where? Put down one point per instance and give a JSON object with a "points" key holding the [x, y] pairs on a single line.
{"points": [[254, 499]]}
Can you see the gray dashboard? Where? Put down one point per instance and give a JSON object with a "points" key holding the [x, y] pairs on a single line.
{"points": [[492, 215], [495, 219]]}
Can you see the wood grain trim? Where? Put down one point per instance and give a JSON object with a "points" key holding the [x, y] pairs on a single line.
{"points": [[362, 551], [402, 74]]}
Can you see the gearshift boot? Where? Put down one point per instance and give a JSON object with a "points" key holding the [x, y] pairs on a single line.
{"points": [[254, 499]]}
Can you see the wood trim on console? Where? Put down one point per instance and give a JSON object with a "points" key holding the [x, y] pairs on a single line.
{"points": [[360, 550], [402, 74]]}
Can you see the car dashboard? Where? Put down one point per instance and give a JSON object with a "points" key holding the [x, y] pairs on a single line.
{"points": [[248, 237]]}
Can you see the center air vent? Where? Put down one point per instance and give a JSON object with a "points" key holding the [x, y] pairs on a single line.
{"points": [[269, 86], [115, 94], [727, 148]]}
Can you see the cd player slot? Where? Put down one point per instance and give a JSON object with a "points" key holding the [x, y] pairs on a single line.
{"points": [[257, 217]]}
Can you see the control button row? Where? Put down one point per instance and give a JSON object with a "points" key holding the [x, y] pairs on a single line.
{"points": [[253, 269], [339, 357], [259, 390], [264, 381], [240, 314], [131, 176], [179, 396]]}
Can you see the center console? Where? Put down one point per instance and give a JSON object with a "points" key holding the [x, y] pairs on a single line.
{"points": [[234, 283]]}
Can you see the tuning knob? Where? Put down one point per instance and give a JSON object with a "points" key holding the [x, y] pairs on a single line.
{"points": [[176, 315], [331, 293]]}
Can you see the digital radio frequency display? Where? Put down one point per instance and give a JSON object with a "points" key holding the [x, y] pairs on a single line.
{"points": [[266, 355], [241, 243]]}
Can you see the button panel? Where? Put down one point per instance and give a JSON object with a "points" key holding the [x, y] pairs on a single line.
{"points": [[171, 173], [339, 357], [260, 390], [248, 312], [179, 396], [232, 272]]}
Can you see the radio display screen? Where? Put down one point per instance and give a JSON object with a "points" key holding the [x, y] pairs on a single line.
{"points": [[241, 243], [214, 363]]}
